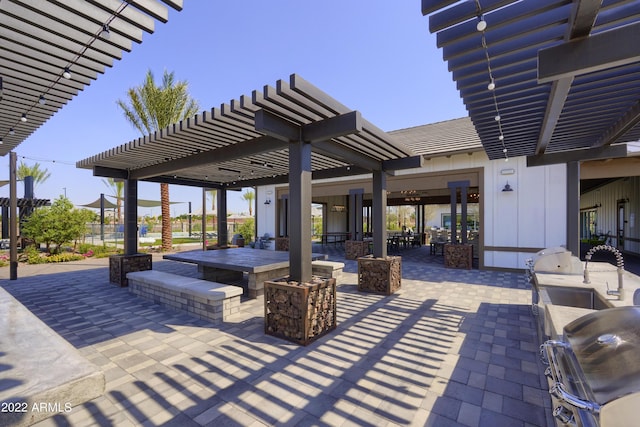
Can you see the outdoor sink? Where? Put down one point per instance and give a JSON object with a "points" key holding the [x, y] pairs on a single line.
{"points": [[573, 297]]}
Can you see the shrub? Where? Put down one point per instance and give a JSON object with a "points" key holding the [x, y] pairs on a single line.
{"points": [[33, 255], [63, 257], [84, 248], [56, 225], [247, 230]]}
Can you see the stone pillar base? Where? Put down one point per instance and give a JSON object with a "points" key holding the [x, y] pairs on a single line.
{"points": [[282, 244], [458, 255], [354, 249], [120, 265], [299, 312], [380, 275]]}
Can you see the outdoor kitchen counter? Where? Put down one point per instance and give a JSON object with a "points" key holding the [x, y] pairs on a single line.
{"points": [[557, 316]]}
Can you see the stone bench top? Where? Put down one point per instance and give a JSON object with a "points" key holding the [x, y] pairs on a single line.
{"points": [[238, 259], [197, 287], [334, 264]]}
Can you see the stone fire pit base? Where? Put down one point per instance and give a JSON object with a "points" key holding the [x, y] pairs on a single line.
{"points": [[299, 312]]}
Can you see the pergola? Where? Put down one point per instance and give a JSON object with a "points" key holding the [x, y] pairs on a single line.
{"points": [[553, 80], [291, 132], [42, 41], [53, 49]]}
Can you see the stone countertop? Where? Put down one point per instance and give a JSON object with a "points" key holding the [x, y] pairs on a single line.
{"points": [[600, 273], [556, 317]]}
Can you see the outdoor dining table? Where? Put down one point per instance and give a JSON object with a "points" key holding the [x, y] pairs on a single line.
{"points": [[229, 265]]}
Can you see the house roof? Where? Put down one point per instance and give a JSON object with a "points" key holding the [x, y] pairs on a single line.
{"points": [[40, 39], [565, 73], [440, 139], [246, 142]]}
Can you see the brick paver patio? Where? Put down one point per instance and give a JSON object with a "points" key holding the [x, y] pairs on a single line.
{"points": [[451, 348]]}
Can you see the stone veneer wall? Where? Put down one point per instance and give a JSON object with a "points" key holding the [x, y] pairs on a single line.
{"points": [[203, 308]]}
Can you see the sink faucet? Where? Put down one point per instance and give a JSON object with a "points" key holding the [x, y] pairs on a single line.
{"points": [[620, 264]]}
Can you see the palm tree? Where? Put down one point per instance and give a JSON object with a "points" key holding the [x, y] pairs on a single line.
{"points": [[118, 189], [249, 196], [39, 175], [214, 195], [154, 108]]}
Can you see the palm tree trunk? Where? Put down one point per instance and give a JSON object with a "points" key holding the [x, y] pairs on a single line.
{"points": [[166, 217]]}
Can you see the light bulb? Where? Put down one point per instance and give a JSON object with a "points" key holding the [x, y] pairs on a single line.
{"points": [[0, 141], [504, 150], [42, 100], [497, 118], [482, 25], [506, 159], [66, 74], [12, 132], [105, 33], [491, 85], [501, 137], [23, 118]]}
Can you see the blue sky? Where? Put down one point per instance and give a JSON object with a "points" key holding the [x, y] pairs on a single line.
{"points": [[374, 56]]}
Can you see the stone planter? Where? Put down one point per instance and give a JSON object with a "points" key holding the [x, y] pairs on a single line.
{"points": [[120, 265], [282, 243], [459, 255], [299, 312], [354, 249], [379, 275]]}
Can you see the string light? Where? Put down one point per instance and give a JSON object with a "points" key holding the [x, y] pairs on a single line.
{"points": [[35, 159], [481, 26], [104, 33]]}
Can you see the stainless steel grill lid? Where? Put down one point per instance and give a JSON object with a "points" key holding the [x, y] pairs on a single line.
{"points": [[606, 345]]}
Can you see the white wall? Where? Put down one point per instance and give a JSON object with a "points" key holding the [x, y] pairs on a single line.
{"points": [[533, 215], [266, 214]]}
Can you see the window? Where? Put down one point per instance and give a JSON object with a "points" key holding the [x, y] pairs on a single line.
{"points": [[588, 223]]}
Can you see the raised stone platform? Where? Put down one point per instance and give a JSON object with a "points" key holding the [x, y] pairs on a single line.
{"points": [[200, 298], [41, 374]]}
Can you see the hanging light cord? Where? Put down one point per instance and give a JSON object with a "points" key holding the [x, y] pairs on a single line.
{"points": [[79, 55], [481, 27]]}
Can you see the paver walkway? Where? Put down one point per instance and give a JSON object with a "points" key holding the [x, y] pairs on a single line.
{"points": [[451, 348]]}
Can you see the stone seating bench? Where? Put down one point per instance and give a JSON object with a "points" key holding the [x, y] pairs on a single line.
{"points": [[329, 269], [200, 298]]}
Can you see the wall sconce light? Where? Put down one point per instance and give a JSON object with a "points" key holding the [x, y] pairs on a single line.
{"points": [[507, 187], [338, 208], [267, 202]]}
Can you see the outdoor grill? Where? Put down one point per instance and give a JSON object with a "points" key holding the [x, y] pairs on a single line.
{"points": [[594, 372]]}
